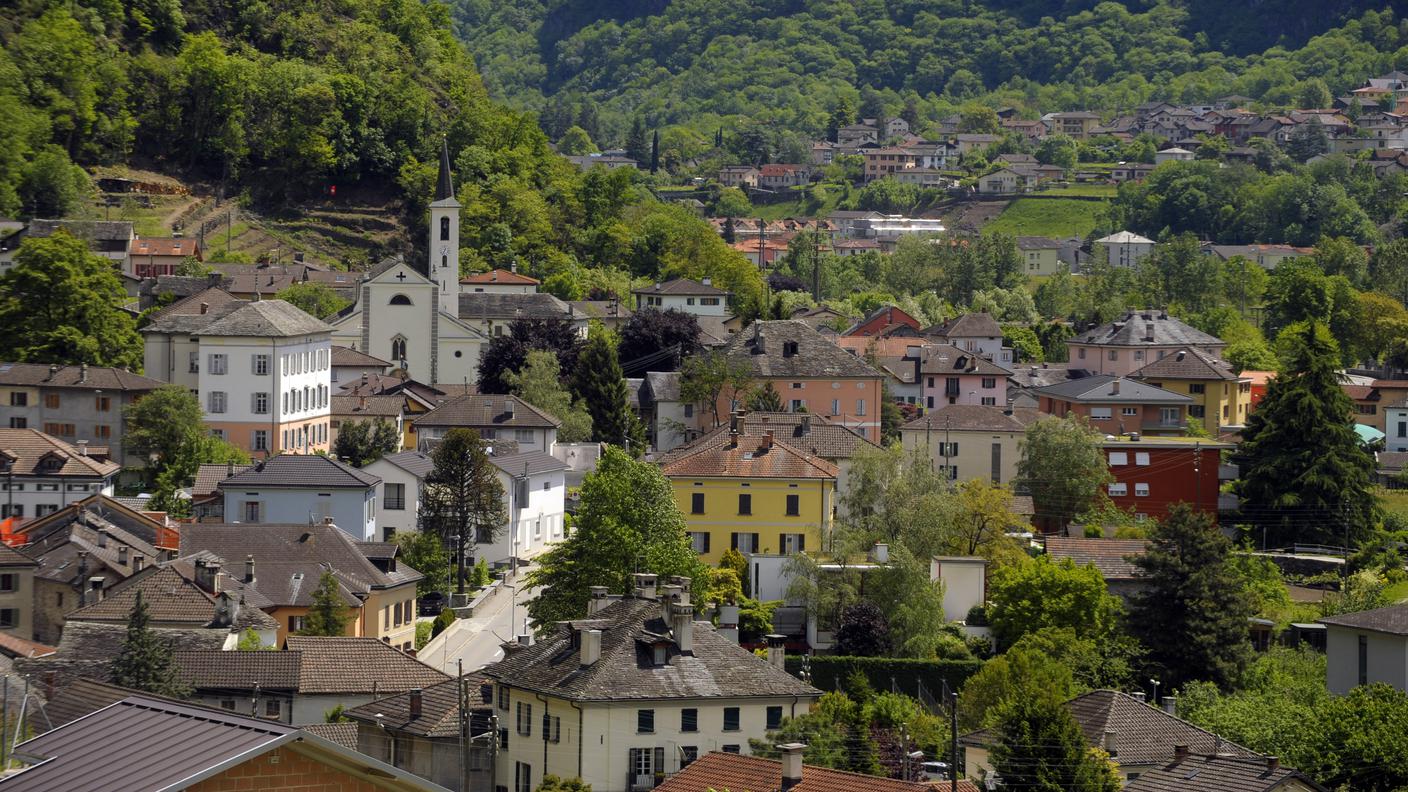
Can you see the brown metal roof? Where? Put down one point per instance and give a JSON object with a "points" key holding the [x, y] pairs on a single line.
{"points": [[301, 470], [347, 357], [810, 434]]}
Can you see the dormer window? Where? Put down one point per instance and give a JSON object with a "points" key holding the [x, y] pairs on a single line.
{"points": [[660, 654], [789, 348]]}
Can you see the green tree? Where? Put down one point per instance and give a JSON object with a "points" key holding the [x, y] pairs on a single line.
{"points": [[52, 185], [1072, 447], [539, 382], [1308, 140], [600, 385], [765, 399], [710, 377], [1057, 150], [1040, 746], [328, 614], [552, 783], [144, 661], [364, 442], [162, 422], [59, 303], [180, 472], [463, 500], [637, 148], [1020, 673], [1305, 475], [732, 202], [425, 552], [315, 299], [575, 142], [1314, 95], [1193, 613], [1043, 593], [627, 522]]}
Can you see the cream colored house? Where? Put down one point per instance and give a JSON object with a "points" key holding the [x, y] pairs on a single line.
{"points": [[1367, 647], [635, 690], [1040, 256], [972, 441]]}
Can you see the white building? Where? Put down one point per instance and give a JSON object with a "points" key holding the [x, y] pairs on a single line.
{"points": [[300, 489], [1173, 155], [494, 417], [892, 227], [535, 494], [43, 474], [498, 281], [262, 371], [1125, 249], [398, 506], [1367, 647], [1396, 427], [670, 420], [700, 298], [633, 692]]}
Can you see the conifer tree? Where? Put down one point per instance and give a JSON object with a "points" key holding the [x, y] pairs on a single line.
{"points": [[1305, 476], [765, 399], [1192, 614], [1040, 746], [463, 497], [601, 386], [144, 662], [655, 152], [636, 146], [327, 615]]}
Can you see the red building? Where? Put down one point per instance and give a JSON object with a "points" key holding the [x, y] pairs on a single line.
{"points": [[1153, 473], [882, 319]]}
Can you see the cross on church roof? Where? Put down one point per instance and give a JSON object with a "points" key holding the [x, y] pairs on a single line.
{"points": [[401, 276]]}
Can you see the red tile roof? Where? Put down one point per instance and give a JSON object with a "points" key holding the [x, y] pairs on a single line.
{"points": [[749, 456], [501, 277], [737, 773], [164, 246]]}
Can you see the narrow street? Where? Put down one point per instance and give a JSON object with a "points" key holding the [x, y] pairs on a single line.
{"points": [[476, 641]]}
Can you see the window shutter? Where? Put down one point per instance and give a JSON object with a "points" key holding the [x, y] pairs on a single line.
{"points": [[733, 541], [801, 543], [756, 545], [659, 765], [706, 541], [254, 403]]}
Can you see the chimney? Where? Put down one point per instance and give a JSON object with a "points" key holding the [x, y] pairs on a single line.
{"points": [[205, 308], [139, 562], [212, 281], [82, 447], [229, 469], [361, 402], [1138, 696], [508, 408], [1180, 753], [707, 281], [1171, 705], [682, 623], [95, 584], [598, 599], [728, 622], [734, 424], [208, 576], [589, 650], [643, 585], [767, 439], [328, 520], [83, 372], [669, 595], [791, 764], [777, 651], [1273, 763], [1111, 743], [249, 569], [525, 639], [416, 701], [1115, 388], [880, 554], [122, 554], [102, 539], [53, 369], [806, 425]]}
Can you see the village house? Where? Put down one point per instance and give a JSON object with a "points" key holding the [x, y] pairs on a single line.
{"points": [[1125, 249], [1151, 474], [153, 256], [1264, 256], [1366, 647], [957, 376], [535, 490], [853, 135], [1189, 772], [43, 474], [970, 441], [389, 409], [493, 314], [670, 420], [499, 281], [76, 404], [700, 298], [419, 731], [1112, 557], [107, 238], [292, 488], [740, 176], [974, 332], [641, 683], [783, 176], [349, 365], [1040, 256], [493, 417], [1173, 154], [1076, 124], [1135, 340], [1130, 171], [16, 593], [399, 503], [1221, 397], [719, 770], [1117, 405]]}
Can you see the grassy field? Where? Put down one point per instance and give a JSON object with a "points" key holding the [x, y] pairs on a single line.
{"points": [[1050, 217], [1098, 190]]}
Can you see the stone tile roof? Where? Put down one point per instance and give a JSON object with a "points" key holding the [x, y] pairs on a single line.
{"points": [[1110, 556], [1039, 376], [348, 357], [488, 305], [681, 287], [237, 670], [173, 598], [1037, 243], [602, 309], [1392, 620], [767, 349], [1145, 329], [534, 462], [491, 410], [344, 734], [970, 325], [416, 463], [973, 417], [500, 277], [810, 434], [747, 456], [439, 714], [87, 648], [266, 318], [86, 377], [357, 665], [208, 476], [1190, 363], [301, 470], [217, 302], [717, 770], [1199, 773], [106, 230], [716, 667], [1101, 389], [949, 359], [10, 557], [1143, 734], [27, 448], [662, 386], [364, 407]]}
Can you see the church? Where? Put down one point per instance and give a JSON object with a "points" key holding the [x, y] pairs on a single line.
{"points": [[419, 319]]}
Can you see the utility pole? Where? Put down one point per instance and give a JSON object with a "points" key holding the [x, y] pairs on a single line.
{"points": [[953, 736], [816, 267], [493, 746], [463, 701]]}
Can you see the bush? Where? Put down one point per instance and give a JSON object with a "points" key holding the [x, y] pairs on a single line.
{"points": [[444, 620], [905, 674], [423, 633]]}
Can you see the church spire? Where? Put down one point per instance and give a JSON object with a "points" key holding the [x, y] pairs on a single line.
{"points": [[444, 187]]}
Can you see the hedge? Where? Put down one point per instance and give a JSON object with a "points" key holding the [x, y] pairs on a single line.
{"points": [[904, 675]]}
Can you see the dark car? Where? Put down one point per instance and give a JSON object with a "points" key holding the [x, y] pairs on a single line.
{"points": [[431, 604]]}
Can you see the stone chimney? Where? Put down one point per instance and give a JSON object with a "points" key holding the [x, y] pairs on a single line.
{"points": [[205, 308], [416, 702], [1171, 705], [83, 372], [122, 554], [767, 440], [95, 585], [208, 576], [682, 623], [1180, 753], [1138, 696], [791, 764], [728, 622], [1111, 742], [643, 585], [599, 600], [139, 562], [589, 646], [806, 425], [249, 569], [777, 651], [1273, 763]]}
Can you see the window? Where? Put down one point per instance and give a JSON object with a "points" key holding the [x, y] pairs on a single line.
{"points": [[51, 401], [791, 543], [19, 423], [45, 508], [102, 403], [989, 401], [217, 401], [398, 349], [444, 228], [503, 697], [523, 435], [794, 505], [295, 623], [260, 365], [19, 399], [699, 541], [733, 749], [1197, 387], [1141, 490], [217, 364], [1118, 490], [1363, 659], [251, 511], [228, 704], [688, 753], [689, 411], [730, 718], [524, 721], [860, 406], [522, 772], [17, 510], [9, 581], [261, 403], [102, 432], [689, 720], [273, 708], [394, 496], [1403, 428], [60, 429], [696, 503], [1080, 353], [1118, 458], [1169, 415], [645, 761], [1141, 458], [798, 405], [645, 721], [1129, 411], [1114, 354], [989, 382], [745, 504], [745, 542], [552, 728], [774, 718], [1100, 413], [1196, 410]]}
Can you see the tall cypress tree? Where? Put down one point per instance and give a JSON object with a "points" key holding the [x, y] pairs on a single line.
{"points": [[1192, 614], [637, 148], [655, 152], [144, 661], [600, 384], [1040, 746], [1305, 476]]}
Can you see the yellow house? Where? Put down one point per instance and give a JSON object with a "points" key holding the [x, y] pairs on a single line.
{"points": [[1040, 256], [753, 493], [1221, 398]]}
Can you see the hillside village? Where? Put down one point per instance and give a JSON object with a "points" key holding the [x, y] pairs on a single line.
{"points": [[1060, 450]]}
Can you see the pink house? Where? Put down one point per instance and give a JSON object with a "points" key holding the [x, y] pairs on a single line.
{"points": [[956, 376]]}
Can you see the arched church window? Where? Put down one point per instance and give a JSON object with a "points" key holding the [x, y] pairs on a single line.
{"points": [[444, 261], [400, 299], [444, 228], [398, 349]]}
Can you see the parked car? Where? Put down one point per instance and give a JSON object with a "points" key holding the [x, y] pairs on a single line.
{"points": [[431, 604], [935, 771]]}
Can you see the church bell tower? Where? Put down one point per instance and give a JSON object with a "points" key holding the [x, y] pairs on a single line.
{"points": [[444, 264]]}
